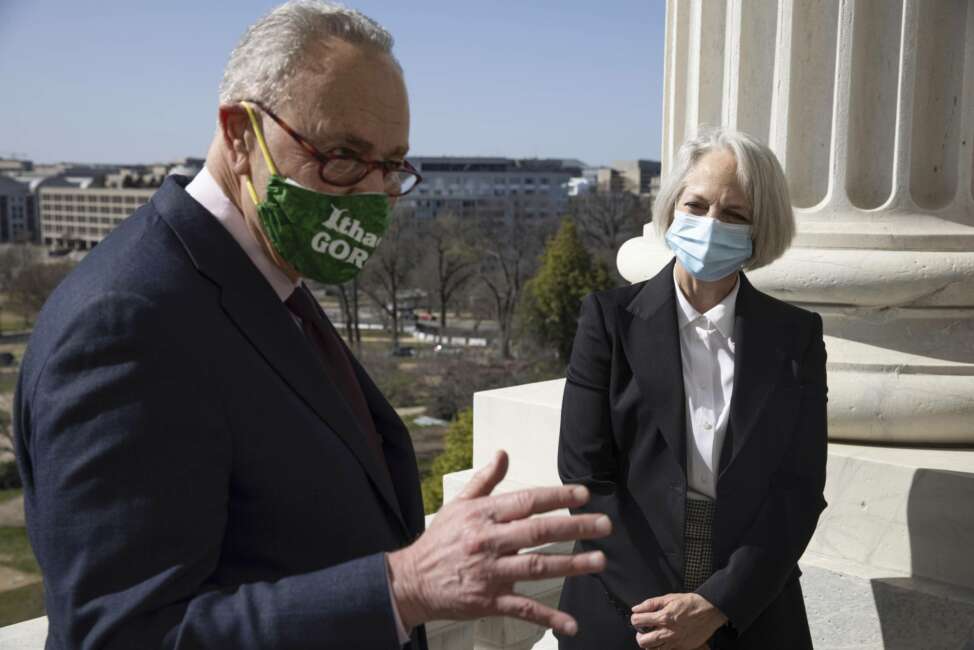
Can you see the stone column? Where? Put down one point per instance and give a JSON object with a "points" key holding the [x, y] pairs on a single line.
{"points": [[869, 105]]}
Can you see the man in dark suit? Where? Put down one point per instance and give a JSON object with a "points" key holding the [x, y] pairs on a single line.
{"points": [[205, 464]]}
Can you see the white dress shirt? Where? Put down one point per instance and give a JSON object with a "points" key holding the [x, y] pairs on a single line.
{"points": [[209, 194], [707, 351], [205, 190]]}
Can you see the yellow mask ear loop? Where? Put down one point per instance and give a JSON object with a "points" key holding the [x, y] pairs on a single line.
{"points": [[263, 148]]}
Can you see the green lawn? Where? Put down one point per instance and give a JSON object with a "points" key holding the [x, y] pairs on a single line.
{"points": [[24, 602], [8, 382], [10, 322], [15, 551], [21, 604]]}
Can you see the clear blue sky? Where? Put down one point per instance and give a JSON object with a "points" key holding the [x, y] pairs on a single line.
{"points": [[136, 81]]}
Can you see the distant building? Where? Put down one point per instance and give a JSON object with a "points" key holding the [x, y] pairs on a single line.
{"points": [[79, 204], [492, 188], [610, 180], [80, 217], [18, 212], [637, 176], [14, 166]]}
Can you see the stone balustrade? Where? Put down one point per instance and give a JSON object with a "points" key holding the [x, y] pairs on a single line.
{"points": [[890, 559]]}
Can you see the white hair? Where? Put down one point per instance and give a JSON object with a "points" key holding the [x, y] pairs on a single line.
{"points": [[264, 62], [761, 178]]}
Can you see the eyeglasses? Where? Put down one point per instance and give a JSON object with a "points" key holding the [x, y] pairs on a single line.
{"points": [[399, 176]]}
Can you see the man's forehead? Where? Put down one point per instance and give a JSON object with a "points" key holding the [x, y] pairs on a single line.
{"points": [[356, 129], [359, 99]]}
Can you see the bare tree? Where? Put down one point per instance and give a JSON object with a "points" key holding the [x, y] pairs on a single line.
{"points": [[509, 256], [13, 260], [390, 267], [6, 434], [605, 220], [31, 287], [450, 263], [344, 301]]}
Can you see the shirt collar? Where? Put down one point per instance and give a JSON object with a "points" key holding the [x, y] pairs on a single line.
{"points": [[210, 195], [721, 315]]}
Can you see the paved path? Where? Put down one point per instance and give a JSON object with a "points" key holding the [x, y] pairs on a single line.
{"points": [[12, 512]]}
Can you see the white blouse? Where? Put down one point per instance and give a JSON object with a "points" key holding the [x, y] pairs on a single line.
{"points": [[707, 351]]}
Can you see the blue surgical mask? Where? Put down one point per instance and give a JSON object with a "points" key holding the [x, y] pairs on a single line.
{"points": [[709, 249]]}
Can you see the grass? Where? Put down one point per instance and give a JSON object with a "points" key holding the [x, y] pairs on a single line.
{"points": [[11, 322], [8, 382], [7, 495], [21, 604], [25, 602], [15, 551]]}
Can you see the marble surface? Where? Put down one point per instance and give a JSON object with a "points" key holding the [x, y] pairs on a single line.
{"points": [[877, 153]]}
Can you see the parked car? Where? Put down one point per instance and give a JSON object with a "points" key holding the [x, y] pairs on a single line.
{"points": [[448, 351]]}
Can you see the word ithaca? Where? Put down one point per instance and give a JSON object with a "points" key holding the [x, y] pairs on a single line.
{"points": [[341, 250]]}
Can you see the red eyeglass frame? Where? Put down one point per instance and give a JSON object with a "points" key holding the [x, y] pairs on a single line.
{"points": [[387, 166]]}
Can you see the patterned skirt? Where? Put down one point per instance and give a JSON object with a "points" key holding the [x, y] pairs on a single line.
{"points": [[698, 550]]}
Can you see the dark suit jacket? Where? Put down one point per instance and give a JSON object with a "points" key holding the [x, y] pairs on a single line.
{"points": [[192, 477], [623, 434]]}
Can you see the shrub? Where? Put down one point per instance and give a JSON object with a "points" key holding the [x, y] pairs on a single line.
{"points": [[457, 455], [9, 476]]}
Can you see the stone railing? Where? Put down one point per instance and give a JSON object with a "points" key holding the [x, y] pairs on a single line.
{"points": [[890, 559]]}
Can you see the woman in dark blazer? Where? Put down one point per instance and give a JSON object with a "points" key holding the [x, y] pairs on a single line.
{"points": [[695, 412]]}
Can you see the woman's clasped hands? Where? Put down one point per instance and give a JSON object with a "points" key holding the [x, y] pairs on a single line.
{"points": [[676, 622]]}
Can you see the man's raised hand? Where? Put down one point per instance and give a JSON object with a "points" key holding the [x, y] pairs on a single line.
{"points": [[465, 565]]}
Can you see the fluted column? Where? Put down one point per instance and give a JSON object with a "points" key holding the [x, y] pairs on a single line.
{"points": [[869, 105]]}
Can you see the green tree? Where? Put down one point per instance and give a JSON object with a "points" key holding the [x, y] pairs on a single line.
{"points": [[553, 296], [457, 455]]}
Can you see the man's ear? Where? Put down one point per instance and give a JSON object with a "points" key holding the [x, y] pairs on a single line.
{"points": [[234, 127]]}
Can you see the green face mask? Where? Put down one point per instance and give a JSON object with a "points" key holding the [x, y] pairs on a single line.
{"points": [[325, 237]]}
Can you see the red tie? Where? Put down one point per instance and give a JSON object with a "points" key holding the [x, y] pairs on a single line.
{"points": [[336, 363]]}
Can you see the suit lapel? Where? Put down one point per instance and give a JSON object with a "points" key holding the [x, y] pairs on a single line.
{"points": [[758, 356], [252, 305], [399, 452], [272, 331], [396, 444], [651, 340]]}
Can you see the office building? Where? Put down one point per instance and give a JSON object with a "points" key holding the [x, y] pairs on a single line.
{"points": [[492, 188], [80, 205], [637, 175], [79, 217], [18, 214]]}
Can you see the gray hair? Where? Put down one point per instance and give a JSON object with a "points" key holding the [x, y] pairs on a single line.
{"points": [[761, 178], [263, 63]]}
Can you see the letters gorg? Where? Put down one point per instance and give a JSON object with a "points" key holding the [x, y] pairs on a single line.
{"points": [[341, 250]]}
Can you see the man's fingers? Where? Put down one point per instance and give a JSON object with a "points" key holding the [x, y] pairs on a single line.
{"points": [[523, 503], [651, 604], [655, 638], [531, 610], [537, 566], [486, 479], [510, 538]]}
